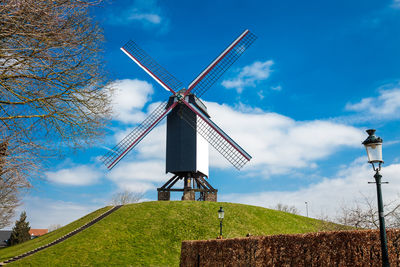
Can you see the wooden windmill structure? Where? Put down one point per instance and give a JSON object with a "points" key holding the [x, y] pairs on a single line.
{"points": [[189, 127]]}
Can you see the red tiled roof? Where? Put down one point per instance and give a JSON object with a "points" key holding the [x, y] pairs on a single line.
{"points": [[38, 232]]}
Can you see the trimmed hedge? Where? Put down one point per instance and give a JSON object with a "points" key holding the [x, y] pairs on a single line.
{"points": [[338, 248]]}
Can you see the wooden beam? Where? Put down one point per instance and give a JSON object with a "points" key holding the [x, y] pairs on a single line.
{"points": [[206, 183], [162, 187], [174, 182]]}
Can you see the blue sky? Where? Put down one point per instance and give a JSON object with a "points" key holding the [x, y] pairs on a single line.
{"points": [[298, 100]]}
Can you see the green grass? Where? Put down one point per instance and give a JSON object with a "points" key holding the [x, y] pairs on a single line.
{"points": [[10, 252], [150, 233]]}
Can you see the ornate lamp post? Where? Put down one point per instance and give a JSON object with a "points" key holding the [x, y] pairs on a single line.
{"points": [[373, 145], [221, 218]]}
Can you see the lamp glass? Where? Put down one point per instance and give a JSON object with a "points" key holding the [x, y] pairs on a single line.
{"points": [[221, 213], [374, 151]]}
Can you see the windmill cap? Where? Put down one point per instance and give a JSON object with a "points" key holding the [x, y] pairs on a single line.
{"points": [[371, 139]]}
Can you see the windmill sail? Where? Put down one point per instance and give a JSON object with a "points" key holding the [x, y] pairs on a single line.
{"points": [[131, 140], [228, 148], [215, 70], [149, 65], [203, 125]]}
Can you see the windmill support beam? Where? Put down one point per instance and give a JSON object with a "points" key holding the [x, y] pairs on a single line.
{"points": [[195, 188], [183, 190], [169, 181]]}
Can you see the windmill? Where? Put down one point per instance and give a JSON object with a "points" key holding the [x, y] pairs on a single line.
{"points": [[189, 126]]}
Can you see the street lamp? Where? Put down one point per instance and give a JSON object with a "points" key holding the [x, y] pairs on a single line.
{"points": [[306, 207], [373, 145], [221, 218]]}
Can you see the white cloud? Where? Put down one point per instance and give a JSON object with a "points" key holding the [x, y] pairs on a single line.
{"points": [[250, 75], [76, 176], [43, 212], [129, 98], [139, 176], [148, 17], [384, 106], [11, 64], [278, 143], [261, 92], [153, 145], [132, 93], [276, 88], [138, 170], [327, 196], [396, 4], [146, 13]]}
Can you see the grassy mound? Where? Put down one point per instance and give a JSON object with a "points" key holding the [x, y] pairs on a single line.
{"points": [[9, 252], [150, 233]]}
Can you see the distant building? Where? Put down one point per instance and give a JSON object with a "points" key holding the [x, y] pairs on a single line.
{"points": [[4, 237], [37, 232]]}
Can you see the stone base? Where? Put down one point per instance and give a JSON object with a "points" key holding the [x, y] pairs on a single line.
{"points": [[195, 187], [210, 196], [189, 195], [164, 195]]}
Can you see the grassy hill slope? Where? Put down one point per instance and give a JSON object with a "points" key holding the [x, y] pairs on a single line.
{"points": [[10, 252], [150, 233]]}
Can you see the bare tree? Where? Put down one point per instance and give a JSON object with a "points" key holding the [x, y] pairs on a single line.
{"points": [[51, 76], [126, 197], [53, 91], [13, 172], [54, 227], [364, 214], [286, 208]]}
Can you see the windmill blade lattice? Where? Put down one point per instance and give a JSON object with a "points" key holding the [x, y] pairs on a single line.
{"points": [[155, 70], [215, 70], [131, 140], [202, 124], [215, 136]]}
